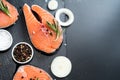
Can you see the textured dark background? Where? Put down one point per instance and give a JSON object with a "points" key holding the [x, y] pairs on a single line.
{"points": [[93, 40]]}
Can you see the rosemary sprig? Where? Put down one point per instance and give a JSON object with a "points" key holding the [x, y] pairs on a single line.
{"points": [[51, 26], [4, 8], [55, 28]]}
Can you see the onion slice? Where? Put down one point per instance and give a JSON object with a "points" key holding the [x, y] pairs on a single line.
{"points": [[61, 66], [52, 4]]}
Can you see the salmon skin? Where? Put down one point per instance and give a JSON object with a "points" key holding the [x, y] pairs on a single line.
{"points": [[41, 35], [5, 20], [28, 72]]}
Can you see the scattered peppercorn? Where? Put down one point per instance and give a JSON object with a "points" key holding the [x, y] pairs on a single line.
{"points": [[35, 77], [47, 30], [51, 33], [40, 71], [22, 77]]}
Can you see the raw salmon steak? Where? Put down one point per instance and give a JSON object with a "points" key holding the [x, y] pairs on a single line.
{"points": [[28, 72], [6, 20], [41, 35]]}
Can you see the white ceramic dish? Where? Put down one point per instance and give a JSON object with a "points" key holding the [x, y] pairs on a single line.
{"points": [[24, 61], [6, 40]]}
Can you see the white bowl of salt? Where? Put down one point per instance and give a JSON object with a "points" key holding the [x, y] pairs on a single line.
{"points": [[6, 40]]}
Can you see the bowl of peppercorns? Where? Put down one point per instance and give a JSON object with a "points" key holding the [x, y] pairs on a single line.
{"points": [[22, 53]]}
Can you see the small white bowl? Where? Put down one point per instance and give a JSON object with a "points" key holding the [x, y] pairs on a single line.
{"points": [[24, 61], [6, 40]]}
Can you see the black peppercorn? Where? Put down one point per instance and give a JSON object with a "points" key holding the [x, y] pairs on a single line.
{"points": [[22, 52], [22, 77]]}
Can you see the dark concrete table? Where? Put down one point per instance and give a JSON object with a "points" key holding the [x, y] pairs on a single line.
{"points": [[93, 40]]}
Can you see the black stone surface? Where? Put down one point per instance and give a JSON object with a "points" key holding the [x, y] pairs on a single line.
{"points": [[93, 40]]}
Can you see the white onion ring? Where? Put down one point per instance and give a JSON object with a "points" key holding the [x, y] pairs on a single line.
{"points": [[68, 13]]}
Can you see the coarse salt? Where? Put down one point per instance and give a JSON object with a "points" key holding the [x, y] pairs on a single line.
{"points": [[5, 40]]}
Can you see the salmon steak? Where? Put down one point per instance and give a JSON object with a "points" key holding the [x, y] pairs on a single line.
{"points": [[5, 20], [28, 72], [44, 31]]}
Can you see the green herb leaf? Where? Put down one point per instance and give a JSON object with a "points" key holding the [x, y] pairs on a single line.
{"points": [[55, 24], [51, 26], [4, 8], [55, 28]]}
